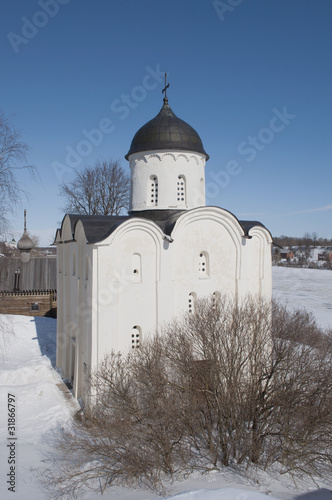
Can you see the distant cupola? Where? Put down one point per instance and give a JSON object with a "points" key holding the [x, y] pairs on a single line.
{"points": [[167, 161], [25, 244]]}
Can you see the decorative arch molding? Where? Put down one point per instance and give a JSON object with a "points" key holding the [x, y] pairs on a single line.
{"points": [[192, 157], [220, 216], [172, 155], [198, 159], [262, 232], [154, 155], [141, 158], [182, 155], [134, 224]]}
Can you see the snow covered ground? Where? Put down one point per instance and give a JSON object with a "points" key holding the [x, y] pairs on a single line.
{"points": [[305, 288], [41, 405]]}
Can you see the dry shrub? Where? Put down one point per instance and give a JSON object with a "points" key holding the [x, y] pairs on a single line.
{"points": [[234, 382]]}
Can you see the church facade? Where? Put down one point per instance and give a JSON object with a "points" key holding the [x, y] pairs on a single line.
{"points": [[120, 278]]}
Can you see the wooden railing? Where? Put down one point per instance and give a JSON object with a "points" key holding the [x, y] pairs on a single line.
{"points": [[23, 293]]}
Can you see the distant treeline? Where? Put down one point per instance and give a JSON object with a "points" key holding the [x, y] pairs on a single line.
{"points": [[308, 240]]}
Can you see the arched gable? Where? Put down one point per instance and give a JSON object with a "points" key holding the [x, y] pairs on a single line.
{"points": [[57, 238], [148, 228], [66, 231], [262, 233], [264, 238], [79, 233], [219, 216]]}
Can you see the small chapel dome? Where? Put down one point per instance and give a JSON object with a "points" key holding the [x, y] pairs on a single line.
{"points": [[25, 243], [166, 132]]}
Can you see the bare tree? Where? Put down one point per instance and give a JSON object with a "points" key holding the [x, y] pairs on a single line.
{"points": [[306, 243], [314, 237], [13, 156], [102, 189]]}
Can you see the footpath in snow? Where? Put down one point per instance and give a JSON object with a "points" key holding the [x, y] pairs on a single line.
{"points": [[28, 349]]}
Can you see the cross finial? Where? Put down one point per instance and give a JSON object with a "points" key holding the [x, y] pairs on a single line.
{"points": [[166, 87]]}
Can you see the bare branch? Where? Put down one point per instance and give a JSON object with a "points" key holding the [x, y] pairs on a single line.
{"points": [[102, 189], [13, 155]]}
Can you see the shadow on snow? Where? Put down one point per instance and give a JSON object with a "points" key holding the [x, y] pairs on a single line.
{"points": [[46, 336]]}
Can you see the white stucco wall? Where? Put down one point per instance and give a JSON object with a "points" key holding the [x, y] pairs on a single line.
{"points": [[169, 272], [167, 167], [74, 311], [136, 278]]}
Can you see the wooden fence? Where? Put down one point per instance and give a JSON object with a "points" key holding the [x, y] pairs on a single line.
{"points": [[29, 302]]}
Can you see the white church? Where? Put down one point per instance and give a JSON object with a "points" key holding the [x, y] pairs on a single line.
{"points": [[121, 277]]}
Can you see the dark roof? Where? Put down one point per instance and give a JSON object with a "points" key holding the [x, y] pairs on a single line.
{"points": [[99, 227], [165, 219], [166, 132], [248, 224], [98, 230]]}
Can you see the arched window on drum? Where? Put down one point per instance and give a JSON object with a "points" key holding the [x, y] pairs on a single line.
{"points": [[153, 191], [181, 191]]}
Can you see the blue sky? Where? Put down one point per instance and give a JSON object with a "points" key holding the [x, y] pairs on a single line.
{"points": [[253, 77]]}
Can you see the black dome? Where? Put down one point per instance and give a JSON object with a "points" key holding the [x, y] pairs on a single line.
{"points": [[166, 131]]}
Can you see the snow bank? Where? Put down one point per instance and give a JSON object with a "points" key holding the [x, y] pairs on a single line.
{"points": [[39, 405]]}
